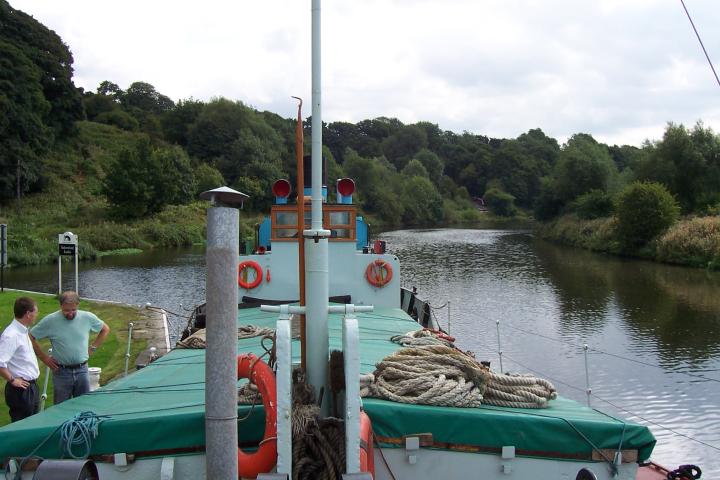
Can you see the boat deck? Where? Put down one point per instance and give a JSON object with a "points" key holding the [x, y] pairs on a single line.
{"points": [[160, 409]]}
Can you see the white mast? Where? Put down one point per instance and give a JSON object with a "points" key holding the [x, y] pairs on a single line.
{"points": [[316, 240]]}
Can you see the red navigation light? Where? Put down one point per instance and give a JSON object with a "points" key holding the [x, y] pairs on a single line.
{"points": [[281, 188], [346, 187]]}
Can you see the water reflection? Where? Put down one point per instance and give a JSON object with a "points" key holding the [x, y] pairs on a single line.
{"points": [[652, 329], [672, 310]]}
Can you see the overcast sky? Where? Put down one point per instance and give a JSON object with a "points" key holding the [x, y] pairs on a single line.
{"points": [[617, 69]]}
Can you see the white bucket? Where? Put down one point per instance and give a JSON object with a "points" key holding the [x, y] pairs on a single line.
{"points": [[94, 374]]}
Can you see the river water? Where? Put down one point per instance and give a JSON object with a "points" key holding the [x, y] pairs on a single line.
{"points": [[653, 331]]}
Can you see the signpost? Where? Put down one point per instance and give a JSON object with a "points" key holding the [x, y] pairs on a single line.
{"points": [[3, 255], [67, 246]]}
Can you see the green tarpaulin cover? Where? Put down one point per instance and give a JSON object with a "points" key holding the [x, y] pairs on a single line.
{"points": [[161, 407]]}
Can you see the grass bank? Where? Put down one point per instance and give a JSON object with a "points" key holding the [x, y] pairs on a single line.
{"points": [[110, 356], [692, 241]]}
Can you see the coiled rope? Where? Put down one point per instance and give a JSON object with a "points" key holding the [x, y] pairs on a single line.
{"points": [[430, 375], [198, 340], [80, 431], [318, 444], [438, 374], [419, 338], [518, 391]]}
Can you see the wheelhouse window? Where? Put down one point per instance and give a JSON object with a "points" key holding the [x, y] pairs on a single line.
{"points": [[339, 219]]}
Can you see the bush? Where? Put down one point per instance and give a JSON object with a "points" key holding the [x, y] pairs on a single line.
{"points": [[692, 242], [119, 119], [500, 203], [593, 204], [144, 179], [207, 178], [643, 211]]}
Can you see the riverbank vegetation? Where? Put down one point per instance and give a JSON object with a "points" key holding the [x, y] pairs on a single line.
{"points": [[122, 168], [110, 357]]}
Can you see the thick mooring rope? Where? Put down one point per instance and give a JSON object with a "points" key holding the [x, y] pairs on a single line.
{"points": [[420, 338], [318, 444], [518, 391], [250, 331], [198, 340], [445, 376], [430, 375]]}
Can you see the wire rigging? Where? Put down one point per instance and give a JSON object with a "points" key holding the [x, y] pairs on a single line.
{"points": [[610, 354], [560, 382], [701, 42]]}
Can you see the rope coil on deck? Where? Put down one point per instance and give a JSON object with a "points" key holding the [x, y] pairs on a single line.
{"points": [[430, 375], [438, 374], [419, 338]]}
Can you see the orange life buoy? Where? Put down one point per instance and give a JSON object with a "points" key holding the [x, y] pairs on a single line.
{"points": [[242, 275], [374, 273], [367, 459], [265, 457]]}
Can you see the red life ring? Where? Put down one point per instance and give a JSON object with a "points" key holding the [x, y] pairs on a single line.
{"points": [[242, 276], [265, 457], [374, 273], [367, 459]]}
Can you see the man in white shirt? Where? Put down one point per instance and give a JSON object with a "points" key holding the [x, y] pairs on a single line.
{"points": [[18, 364]]}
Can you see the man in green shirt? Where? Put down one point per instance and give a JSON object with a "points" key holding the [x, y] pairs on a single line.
{"points": [[69, 332]]}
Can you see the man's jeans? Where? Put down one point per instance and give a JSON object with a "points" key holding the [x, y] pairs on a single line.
{"points": [[70, 383]]}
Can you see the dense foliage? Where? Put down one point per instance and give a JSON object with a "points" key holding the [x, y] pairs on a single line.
{"points": [[38, 100], [140, 152], [644, 210]]}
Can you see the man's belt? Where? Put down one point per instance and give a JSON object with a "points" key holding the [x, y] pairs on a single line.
{"points": [[77, 365]]}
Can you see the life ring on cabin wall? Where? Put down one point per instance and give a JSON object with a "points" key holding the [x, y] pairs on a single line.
{"points": [[242, 274], [374, 273], [265, 457], [367, 459]]}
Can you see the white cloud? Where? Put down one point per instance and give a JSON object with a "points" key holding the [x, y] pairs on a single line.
{"points": [[616, 69]]}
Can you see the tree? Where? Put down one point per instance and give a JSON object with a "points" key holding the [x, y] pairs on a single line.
{"points": [[583, 165], [120, 119], [97, 104], [45, 49], [423, 203], [207, 178], [143, 96], [644, 210], [547, 204], [688, 163], [414, 169], [110, 89], [23, 133], [432, 163], [401, 146], [593, 204], [499, 202], [144, 179], [539, 146], [177, 122]]}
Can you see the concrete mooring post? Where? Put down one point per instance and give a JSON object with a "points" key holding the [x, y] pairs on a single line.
{"points": [[223, 233]]}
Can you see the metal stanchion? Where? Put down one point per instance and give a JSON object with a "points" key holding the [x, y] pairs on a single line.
{"points": [[588, 390], [448, 327], [497, 324], [127, 353], [43, 396]]}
